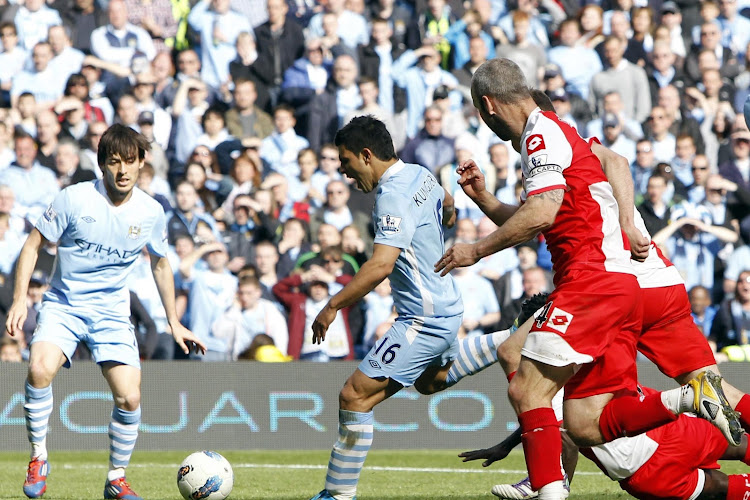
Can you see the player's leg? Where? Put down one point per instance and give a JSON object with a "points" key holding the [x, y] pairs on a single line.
{"points": [[356, 402], [45, 360], [125, 383], [531, 392]]}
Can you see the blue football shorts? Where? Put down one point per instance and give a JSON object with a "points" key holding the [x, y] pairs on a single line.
{"points": [[108, 338], [410, 346]]}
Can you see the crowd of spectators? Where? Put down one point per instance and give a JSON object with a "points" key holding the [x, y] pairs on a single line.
{"points": [[241, 99]]}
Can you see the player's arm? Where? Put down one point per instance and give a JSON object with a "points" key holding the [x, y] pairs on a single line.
{"points": [[496, 453], [164, 279], [449, 210], [369, 276], [534, 216], [617, 170], [471, 179], [24, 267]]}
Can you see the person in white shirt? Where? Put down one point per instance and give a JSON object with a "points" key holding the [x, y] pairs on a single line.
{"points": [[67, 60], [280, 149], [32, 20], [119, 40]]}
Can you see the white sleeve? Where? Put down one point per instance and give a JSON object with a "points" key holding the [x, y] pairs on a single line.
{"points": [[545, 154]]}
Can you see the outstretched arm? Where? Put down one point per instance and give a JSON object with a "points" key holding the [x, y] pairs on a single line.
{"points": [[472, 182], [369, 276], [534, 216]]}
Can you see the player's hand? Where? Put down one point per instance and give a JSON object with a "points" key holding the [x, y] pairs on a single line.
{"points": [[187, 340], [491, 455], [459, 255], [322, 322], [639, 244], [16, 318], [471, 179]]}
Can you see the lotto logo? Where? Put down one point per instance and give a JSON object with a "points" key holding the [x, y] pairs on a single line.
{"points": [[559, 320], [534, 143]]}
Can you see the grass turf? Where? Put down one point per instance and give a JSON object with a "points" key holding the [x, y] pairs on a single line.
{"points": [[295, 475]]}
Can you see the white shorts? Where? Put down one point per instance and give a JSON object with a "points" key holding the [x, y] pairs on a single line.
{"points": [[108, 338]]}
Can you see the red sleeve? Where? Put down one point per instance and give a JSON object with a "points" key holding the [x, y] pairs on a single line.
{"points": [[284, 290]]}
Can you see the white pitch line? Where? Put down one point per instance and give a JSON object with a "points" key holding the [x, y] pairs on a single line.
{"points": [[439, 470]]}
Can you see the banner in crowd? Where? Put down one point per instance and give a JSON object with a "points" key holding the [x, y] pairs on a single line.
{"points": [[251, 405]]}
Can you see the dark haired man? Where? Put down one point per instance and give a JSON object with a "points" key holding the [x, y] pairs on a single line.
{"points": [[100, 228]]}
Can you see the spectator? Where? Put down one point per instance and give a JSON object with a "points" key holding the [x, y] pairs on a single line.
{"points": [[654, 210], [683, 159], [352, 27], [190, 103], [484, 313], [280, 43], [702, 310], [10, 350], [185, 217], [671, 18], [71, 113], [336, 213], [212, 292], [280, 149], [718, 193], [682, 123], [81, 17], [33, 18], [529, 56], [534, 281], [292, 245], [329, 108], [333, 47], [10, 244], [66, 60], [643, 27], [376, 60], [460, 34], [662, 140], [250, 316], [478, 55], [146, 180], [561, 102], [353, 244], [664, 71], [328, 171], [692, 243], [188, 67], [6, 153], [41, 80], [735, 28], [34, 185], [67, 164], [591, 19], [731, 326], [710, 40], [738, 170], [218, 27], [266, 260], [303, 296], [378, 305], [143, 91], [214, 129], [304, 79], [301, 188], [430, 148], [419, 72], [615, 139], [47, 132], [246, 67], [736, 263], [246, 177], [88, 155], [624, 77], [197, 175], [326, 236], [504, 175], [537, 31], [118, 41], [12, 60], [576, 63], [157, 17], [244, 118], [700, 171], [368, 91]]}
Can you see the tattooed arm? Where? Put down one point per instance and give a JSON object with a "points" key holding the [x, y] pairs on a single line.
{"points": [[534, 216]]}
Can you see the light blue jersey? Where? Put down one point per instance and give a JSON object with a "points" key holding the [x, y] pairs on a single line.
{"points": [[98, 244], [408, 215]]}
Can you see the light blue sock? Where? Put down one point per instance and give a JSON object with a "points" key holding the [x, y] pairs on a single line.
{"points": [[36, 411], [123, 432], [475, 354], [349, 453]]}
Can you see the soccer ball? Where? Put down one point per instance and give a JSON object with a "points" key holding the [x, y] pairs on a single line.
{"points": [[205, 475]]}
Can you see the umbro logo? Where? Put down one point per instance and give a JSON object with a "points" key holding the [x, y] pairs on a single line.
{"points": [[374, 364], [88, 219]]}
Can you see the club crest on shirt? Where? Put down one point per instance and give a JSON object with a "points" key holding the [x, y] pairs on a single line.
{"points": [[134, 232], [50, 214], [390, 224]]}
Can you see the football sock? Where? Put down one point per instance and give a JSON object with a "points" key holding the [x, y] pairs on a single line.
{"points": [[679, 400], [629, 416], [739, 487], [475, 354], [36, 411], [349, 453], [123, 432], [743, 407], [542, 446]]}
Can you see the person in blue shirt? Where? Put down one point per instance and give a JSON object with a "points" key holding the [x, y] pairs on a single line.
{"points": [[421, 348], [100, 228]]}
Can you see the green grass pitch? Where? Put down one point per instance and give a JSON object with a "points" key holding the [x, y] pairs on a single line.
{"points": [[298, 475]]}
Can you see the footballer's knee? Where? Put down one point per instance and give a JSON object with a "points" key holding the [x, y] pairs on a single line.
{"points": [[349, 398], [509, 357], [583, 430], [39, 375], [129, 401]]}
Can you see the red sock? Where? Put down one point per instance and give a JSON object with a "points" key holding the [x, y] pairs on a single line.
{"points": [[510, 376], [744, 408], [542, 446], [739, 487], [629, 416]]}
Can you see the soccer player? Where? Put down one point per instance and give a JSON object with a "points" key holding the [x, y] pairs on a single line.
{"points": [[420, 348], [567, 197], [100, 228]]}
